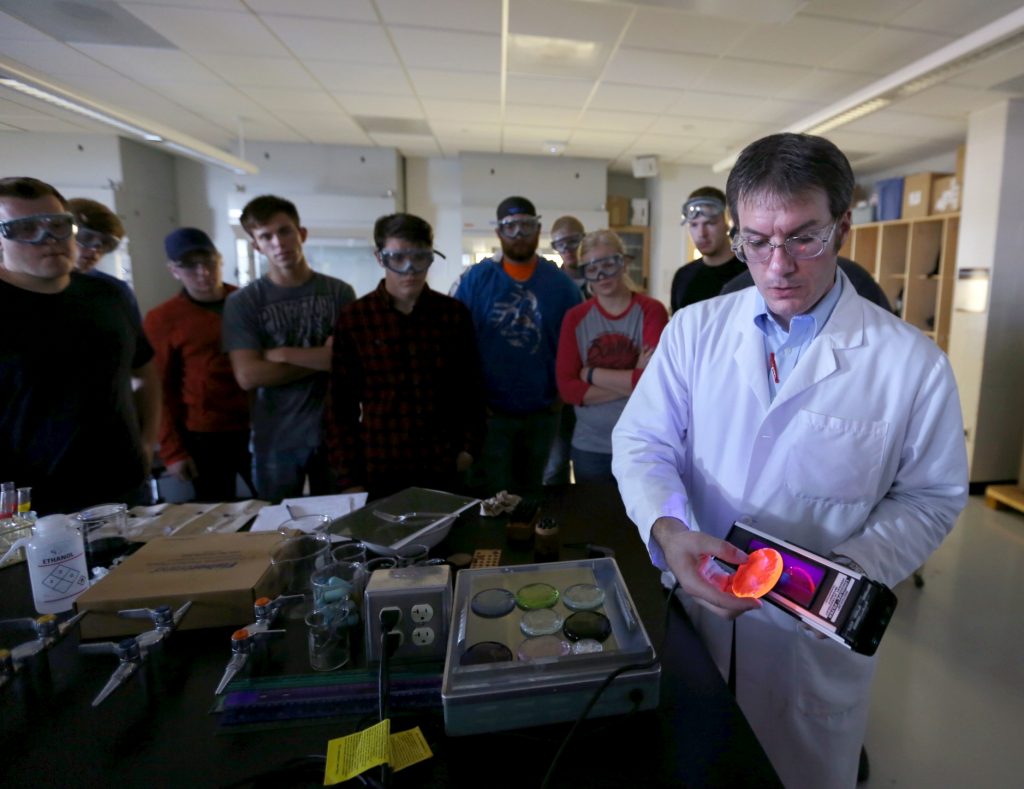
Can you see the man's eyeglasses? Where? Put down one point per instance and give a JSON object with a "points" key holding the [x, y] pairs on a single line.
{"points": [[36, 229], [514, 228], [602, 268], [707, 207], [802, 247], [104, 243], [566, 244], [407, 261]]}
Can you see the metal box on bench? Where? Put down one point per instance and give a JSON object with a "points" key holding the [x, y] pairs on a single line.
{"points": [[516, 693]]}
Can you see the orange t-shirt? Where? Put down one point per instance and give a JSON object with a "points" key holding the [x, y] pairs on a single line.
{"points": [[520, 272]]}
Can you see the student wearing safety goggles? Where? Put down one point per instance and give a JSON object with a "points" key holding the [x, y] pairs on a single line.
{"points": [[99, 233], [517, 300], [72, 354], [604, 347], [406, 400], [704, 215]]}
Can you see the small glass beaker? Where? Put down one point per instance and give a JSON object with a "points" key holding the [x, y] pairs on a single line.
{"points": [[328, 633], [297, 558]]}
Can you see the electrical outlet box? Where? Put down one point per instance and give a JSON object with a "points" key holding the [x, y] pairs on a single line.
{"points": [[423, 597]]}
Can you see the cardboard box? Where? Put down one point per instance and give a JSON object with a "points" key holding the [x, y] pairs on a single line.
{"points": [[961, 160], [222, 574], [618, 210], [945, 195], [917, 194]]}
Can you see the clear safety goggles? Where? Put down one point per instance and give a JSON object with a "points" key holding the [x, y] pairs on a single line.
{"points": [[602, 268], [707, 207], [514, 228], [407, 261], [802, 247], [36, 229], [566, 244], [104, 243]]}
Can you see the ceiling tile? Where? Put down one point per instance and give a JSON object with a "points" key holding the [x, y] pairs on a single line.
{"points": [[431, 83], [352, 10], [824, 85], [210, 31], [380, 106], [409, 145], [750, 78], [894, 121], [886, 50], [584, 21], [610, 121], [283, 99], [148, 65], [330, 40], [536, 113], [440, 49], [950, 101], [658, 69], [447, 111], [954, 17], [617, 140], [547, 91], [539, 134], [52, 58], [993, 71], [220, 103], [12, 29], [803, 41], [556, 57], [690, 126], [874, 11], [482, 16], [335, 75], [632, 98], [259, 72], [656, 28]]}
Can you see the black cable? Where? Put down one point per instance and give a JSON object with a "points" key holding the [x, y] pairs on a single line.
{"points": [[604, 686]]}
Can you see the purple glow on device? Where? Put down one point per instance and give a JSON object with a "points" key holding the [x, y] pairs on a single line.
{"points": [[800, 578]]}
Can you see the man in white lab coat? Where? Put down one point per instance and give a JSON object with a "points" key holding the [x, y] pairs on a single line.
{"points": [[825, 420]]}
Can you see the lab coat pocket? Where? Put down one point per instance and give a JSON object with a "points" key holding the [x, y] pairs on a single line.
{"points": [[833, 681], [835, 460]]}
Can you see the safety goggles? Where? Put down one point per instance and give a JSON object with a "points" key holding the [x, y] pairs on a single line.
{"points": [[566, 244], [514, 228], [602, 268], [36, 229], [706, 207], [407, 261], [802, 247], [104, 243]]}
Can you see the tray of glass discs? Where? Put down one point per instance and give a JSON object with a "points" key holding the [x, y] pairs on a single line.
{"points": [[530, 644]]}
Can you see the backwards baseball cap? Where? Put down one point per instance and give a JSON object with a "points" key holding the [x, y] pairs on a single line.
{"points": [[184, 240], [511, 206]]}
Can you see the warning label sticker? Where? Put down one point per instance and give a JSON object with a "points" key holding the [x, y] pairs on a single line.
{"points": [[836, 597]]}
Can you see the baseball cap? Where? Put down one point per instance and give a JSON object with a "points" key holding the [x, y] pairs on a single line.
{"points": [[511, 206], [184, 240]]}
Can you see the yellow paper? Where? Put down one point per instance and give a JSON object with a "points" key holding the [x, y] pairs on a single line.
{"points": [[408, 747], [349, 756]]}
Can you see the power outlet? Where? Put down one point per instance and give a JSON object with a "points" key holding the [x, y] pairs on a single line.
{"points": [[423, 597], [423, 636]]}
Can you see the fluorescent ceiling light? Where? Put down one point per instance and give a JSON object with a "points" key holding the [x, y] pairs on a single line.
{"points": [[17, 79], [995, 38]]}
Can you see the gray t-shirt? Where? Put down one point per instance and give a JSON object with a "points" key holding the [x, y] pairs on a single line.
{"points": [[263, 315]]}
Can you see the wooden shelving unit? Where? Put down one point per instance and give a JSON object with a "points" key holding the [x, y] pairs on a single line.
{"points": [[637, 240], [914, 260]]}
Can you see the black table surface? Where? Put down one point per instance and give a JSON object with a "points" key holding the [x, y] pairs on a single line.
{"points": [[161, 730]]}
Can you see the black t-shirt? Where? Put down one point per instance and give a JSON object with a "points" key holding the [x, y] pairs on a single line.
{"points": [[68, 423], [697, 281]]}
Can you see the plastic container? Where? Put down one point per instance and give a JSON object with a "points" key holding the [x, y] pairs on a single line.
{"points": [[56, 563]]}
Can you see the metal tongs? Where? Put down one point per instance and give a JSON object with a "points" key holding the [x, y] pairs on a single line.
{"points": [[244, 639], [132, 652]]}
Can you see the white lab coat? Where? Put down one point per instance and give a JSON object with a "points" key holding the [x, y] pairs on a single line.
{"points": [[861, 454]]}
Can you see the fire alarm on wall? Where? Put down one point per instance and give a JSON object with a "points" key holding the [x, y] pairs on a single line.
{"points": [[645, 166]]}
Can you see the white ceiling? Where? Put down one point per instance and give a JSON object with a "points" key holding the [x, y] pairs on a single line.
{"points": [[609, 80]]}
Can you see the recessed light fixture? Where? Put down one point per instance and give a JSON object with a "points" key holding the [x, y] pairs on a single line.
{"points": [[554, 147]]}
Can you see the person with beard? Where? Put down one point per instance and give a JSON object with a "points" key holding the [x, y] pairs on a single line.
{"points": [[517, 300], [704, 214]]}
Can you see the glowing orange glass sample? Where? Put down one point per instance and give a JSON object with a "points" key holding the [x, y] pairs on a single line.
{"points": [[756, 576]]}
